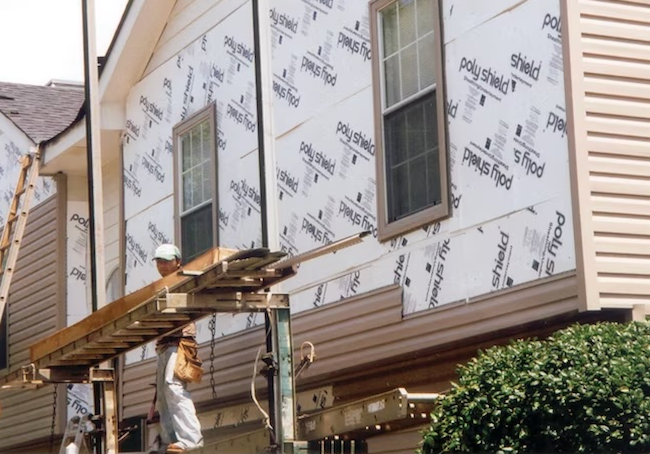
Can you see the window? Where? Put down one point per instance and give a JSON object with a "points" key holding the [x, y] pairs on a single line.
{"points": [[409, 115], [195, 185]]}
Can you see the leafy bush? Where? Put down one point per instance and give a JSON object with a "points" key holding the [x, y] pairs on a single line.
{"points": [[585, 389]]}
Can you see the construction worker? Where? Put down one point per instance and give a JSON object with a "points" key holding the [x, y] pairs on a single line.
{"points": [[180, 429]]}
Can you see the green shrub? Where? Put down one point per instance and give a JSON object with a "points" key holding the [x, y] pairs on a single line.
{"points": [[585, 389]]}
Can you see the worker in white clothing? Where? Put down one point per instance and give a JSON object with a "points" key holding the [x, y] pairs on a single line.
{"points": [[180, 429]]}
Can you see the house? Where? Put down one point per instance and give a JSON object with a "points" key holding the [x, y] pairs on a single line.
{"points": [[494, 150], [36, 305]]}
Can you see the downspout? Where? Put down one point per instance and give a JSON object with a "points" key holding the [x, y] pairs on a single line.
{"points": [[93, 159], [265, 129], [94, 171], [266, 160]]}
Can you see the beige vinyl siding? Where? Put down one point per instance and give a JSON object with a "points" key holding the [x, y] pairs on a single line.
{"points": [[369, 331], [189, 20], [610, 51], [33, 311], [400, 442]]}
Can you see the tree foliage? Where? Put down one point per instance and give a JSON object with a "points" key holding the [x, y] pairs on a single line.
{"points": [[585, 389]]}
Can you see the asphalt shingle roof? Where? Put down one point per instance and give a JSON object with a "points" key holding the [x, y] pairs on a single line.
{"points": [[41, 112]]}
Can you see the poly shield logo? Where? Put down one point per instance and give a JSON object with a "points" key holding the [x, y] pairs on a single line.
{"points": [[485, 75]]}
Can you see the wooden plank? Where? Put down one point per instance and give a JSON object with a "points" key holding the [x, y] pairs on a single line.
{"points": [[121, 306], [145, 320], [121, 341], [157, 324]]}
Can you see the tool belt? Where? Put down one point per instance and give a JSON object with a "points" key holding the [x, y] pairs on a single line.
{"points": [[188, 364]]}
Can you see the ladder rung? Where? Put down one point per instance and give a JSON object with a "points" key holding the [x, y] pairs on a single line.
{"points": [[20, 192], [12, 219]]}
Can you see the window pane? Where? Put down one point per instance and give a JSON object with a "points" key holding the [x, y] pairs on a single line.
{"points": [[425, 17], [409, 72], [431, 121], [415, 130], [206, 184], [396, 139], [391, 80], [411, 157], [185, 151], [196, 232], [398, 202], [427, 60], [433, 171], [406, 22], [418, 182], [205, 141], [390, 30], [188, 201]]}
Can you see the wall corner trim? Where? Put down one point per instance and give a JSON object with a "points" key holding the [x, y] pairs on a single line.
{"points": [[588, 296]]}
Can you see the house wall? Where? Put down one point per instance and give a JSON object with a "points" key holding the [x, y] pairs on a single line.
{"points": [[504, 258], [608, 51], [512, 199]]}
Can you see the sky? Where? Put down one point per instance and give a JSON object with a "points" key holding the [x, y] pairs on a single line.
{"points": [[42, 40]]}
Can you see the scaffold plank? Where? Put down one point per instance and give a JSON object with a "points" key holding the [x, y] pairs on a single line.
{"points": [[229, 285]]}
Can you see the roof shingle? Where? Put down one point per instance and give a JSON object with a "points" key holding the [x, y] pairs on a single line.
{"points": [[41, 112]]}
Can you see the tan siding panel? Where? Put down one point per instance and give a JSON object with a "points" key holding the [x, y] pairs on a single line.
{"points": [[625, 285], [619, 145], [618, 264], [618, 126], [621, 225], [401, 442], [616, 10], [615, 49], [623, 204], [362, 330], [633, 31], [617, 87], [618, 68], [617, 106], [27, 414], [620, 165], [629, 245], [620, 185]]}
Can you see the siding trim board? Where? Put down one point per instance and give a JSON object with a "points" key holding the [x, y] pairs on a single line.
{"points": [[607, 56], [577, 138]]}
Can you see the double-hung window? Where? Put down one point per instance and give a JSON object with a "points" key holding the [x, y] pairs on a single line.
{"points": [[195, 184], [409, 115]]}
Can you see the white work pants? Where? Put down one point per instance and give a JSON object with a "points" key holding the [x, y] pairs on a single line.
{"points": [[178, 421]]}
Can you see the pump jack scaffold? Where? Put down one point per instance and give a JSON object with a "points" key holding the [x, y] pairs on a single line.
{"points": [[220, 280]]}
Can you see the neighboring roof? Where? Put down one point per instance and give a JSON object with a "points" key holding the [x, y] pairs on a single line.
{"points": [[41, 112]]}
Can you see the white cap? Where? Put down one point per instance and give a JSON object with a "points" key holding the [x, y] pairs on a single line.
{"points": [[167, 252]]}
